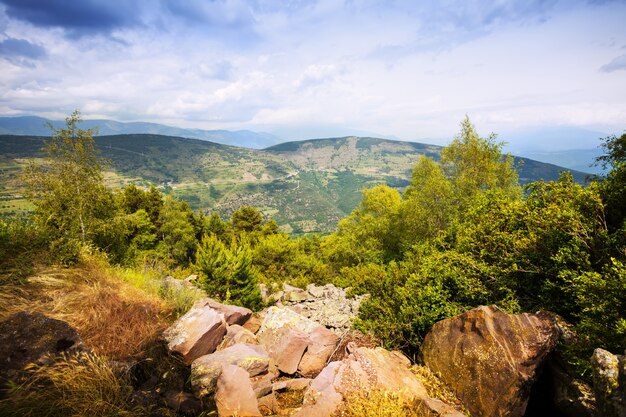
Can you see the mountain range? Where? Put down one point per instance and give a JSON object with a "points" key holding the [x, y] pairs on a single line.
{"points": [[306, 186]]}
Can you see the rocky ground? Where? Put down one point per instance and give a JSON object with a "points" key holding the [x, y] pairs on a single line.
{"points": [[297, 358]]}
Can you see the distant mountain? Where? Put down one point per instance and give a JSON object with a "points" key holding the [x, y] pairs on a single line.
{"points": [[550, 139], [578, 159], [305, 186], [38, 126]]}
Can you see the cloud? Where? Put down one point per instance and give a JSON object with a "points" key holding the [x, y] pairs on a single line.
{"points": [[618, 63], [315, 75], [78, 18], [21, 48]]}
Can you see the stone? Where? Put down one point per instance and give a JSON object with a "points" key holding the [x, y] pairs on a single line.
{"points": [[253, 324], [609, 383], [237, 334], [322, 344], [183, 402], [197, 333], [437, 408], [263, 384], [234, 395], [293, 294], [362, 371], [490, 359], [295, 384], [232, 314], [205, 370], [286, 347], [30, 337], [268, 404]]}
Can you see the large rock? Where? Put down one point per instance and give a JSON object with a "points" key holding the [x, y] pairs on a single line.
{"points": [[29, 337], [490, 359], [362, 371], [205, 370], [322, 344], [232, 314], [234, 396], [237, 334], [286, 347], [197, 333], [609, 383]]}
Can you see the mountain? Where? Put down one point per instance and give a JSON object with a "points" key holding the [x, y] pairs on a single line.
{"points": [[578, 159], [38, 126], [305, 186]]}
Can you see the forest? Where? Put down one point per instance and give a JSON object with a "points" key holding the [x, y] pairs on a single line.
{"points": [[463, 234]]}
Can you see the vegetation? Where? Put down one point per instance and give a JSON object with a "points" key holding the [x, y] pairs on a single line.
{"points": [[463, 233]]}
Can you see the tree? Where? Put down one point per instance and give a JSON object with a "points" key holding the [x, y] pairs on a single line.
{"points": [[68, 191], [246, 219], [613, 188]]}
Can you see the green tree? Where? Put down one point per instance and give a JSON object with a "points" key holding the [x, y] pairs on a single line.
{"points": [[71, 201], [246, 219]]}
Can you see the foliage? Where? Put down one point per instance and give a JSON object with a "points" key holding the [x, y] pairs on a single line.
{"points": [[71, 201], [227, 273]]}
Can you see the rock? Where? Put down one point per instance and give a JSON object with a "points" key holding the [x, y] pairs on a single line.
{"points": [[232, 314], [437, 408], [234, 395], [322, 343], [295, 384], [263, 384], [205, 370], [293, 294], [286, 347], [237, 334], [253, 324], [29, 337], [191, 280], [609, 383], [490, 359], [364, 370], [183, 402], [177, 286], [197, 333], [269, 404]]}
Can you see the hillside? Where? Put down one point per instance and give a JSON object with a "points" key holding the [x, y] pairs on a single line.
{"points": [[305, 186]]}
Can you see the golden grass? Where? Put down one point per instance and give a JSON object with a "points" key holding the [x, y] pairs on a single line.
{"points": [[113, 317], [76, 385], [436, 388], [380, 403]]}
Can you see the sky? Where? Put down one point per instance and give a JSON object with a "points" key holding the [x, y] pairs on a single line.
{"points": [[301, 69]]}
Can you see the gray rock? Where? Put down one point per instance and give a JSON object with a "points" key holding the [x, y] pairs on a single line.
{"points": [[206, 370], [609, 383]]}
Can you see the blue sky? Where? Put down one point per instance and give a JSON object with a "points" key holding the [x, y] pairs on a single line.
{"points": [[300, 69]]}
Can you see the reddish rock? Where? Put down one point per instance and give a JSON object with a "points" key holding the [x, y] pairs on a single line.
{"points": [[232, 314], [269, 404], [237, 334], [234, 395], [286, 347], [253, 324], [295, 384], [490, 359], [205, 370], [437, 408], [364, 370], [197, 333], [322, 343]]}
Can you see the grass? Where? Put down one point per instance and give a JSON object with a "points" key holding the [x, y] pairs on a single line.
{"points": [[77, 385], [436, 388], [380, 403], [113, 316]]}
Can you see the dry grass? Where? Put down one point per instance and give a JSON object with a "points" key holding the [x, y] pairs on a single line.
{"points": [[113, 317], [380, 403], [77, 385]]}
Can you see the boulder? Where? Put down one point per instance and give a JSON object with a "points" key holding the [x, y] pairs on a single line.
{"points": [[29, 337], [237, 334], [232, 314], [609, 383], [285, 346], [234, 395], [253, 324], [205, 370], [197, 333], [295, 384], [432, 407], [322, 344], [293, 294], [362, 371], [490, 359]]}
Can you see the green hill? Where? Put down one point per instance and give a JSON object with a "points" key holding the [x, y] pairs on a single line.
{"points": [[305, 186]]}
